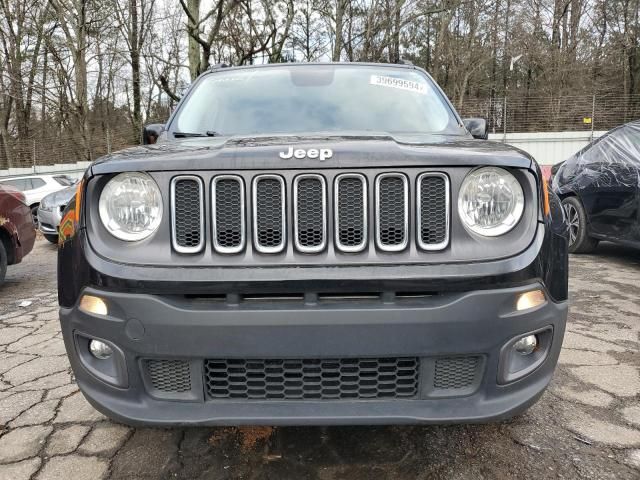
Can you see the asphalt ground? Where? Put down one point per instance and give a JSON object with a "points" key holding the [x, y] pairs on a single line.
{"points": [[587, 424]]}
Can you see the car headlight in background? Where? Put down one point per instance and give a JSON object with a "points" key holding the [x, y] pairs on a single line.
{"points": [[491, 201], [44, 206], [131, 206]]}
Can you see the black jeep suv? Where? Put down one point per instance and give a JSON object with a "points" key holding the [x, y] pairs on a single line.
{"points": [[313, 244]]}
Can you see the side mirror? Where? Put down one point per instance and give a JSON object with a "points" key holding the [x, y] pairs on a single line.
{"points": [[151, 132], [477, 127]]}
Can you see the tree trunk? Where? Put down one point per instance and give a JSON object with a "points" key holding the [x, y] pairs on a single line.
{"points": [[194, 46], [337, 47], [134, 45]]}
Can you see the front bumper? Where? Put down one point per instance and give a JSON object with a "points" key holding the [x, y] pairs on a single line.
{"points": [[451, 325], [49, 220]]}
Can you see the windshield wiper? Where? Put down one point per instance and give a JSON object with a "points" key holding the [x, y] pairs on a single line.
{"points": [[208, 133]]}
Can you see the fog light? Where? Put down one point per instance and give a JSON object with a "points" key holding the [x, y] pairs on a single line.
{"points": [[100, 350], [526, 345], [95, 305], [530, 299]]}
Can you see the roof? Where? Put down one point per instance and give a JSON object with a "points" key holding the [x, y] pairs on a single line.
{"points": [[223, 66]]}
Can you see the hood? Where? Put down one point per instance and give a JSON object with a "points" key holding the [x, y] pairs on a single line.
{"points": [[348, 151], [61, 197]]}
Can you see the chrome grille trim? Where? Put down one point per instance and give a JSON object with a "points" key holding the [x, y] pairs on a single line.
{"points": [[174, 240], [254, 197], [323, 211], [214, 218], [405, 183], [432, 246], [365, 217], [296, 240]]}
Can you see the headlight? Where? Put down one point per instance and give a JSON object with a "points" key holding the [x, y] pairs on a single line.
{"points": [[491, 201], [131, 206]]}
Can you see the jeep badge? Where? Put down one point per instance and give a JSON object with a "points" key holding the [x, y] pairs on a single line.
{"points": [[300, 153]]}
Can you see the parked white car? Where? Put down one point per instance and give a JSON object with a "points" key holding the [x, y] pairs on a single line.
{"points": [[50, 212], [35, 187]]}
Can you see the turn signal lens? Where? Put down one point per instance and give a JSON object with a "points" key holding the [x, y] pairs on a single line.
{"points": [[530, 299], [93, 305], [545, 200], [79, 189]]}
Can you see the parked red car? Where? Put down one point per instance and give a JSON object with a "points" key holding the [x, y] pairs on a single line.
{"points": [[17, 231]]}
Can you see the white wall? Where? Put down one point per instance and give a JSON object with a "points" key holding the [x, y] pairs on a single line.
{"points": [[71, 169], [548, 148]]}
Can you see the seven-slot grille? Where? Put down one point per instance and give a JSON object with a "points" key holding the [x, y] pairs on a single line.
{"points": [[305, 197], [306, 379]]}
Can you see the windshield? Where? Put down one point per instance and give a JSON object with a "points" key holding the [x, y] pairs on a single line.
{"points": [[285, 100], [64, 180]]}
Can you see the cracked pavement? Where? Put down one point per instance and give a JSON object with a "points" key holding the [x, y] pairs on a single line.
{"points": [[587, 424]]}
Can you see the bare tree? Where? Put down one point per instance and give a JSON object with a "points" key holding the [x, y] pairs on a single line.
{"points": [[82, 76], [134, 22], [196, 28]]}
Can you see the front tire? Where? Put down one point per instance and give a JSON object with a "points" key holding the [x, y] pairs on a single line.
{"points": [[579, 239], [3, 262], [34, 213], [51, 238]]}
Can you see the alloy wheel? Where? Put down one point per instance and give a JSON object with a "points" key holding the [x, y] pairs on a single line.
{"points": [[574, 222]]}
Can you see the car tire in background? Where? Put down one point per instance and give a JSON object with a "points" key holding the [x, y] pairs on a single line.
{"points": [[34, 213], [579, 239], [51, 238], [3, 262]]}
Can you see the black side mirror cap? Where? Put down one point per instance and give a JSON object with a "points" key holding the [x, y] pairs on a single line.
{"points": [[477, 127], [151, 133]]}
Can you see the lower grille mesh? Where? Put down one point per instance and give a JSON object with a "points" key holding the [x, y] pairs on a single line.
{"points": [[323, 379], [453, 373], [169, 376]]}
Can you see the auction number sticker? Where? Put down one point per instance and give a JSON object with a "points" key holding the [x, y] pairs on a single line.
{"points": [[399, 83]]}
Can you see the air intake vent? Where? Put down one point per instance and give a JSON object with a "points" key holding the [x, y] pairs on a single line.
{"points": [[302, 379], [455, 373], [351, 212], [310, 213], [228, 214], [269, 229], [392, 212], [433, 211], [169, 376], [187, 206]]}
